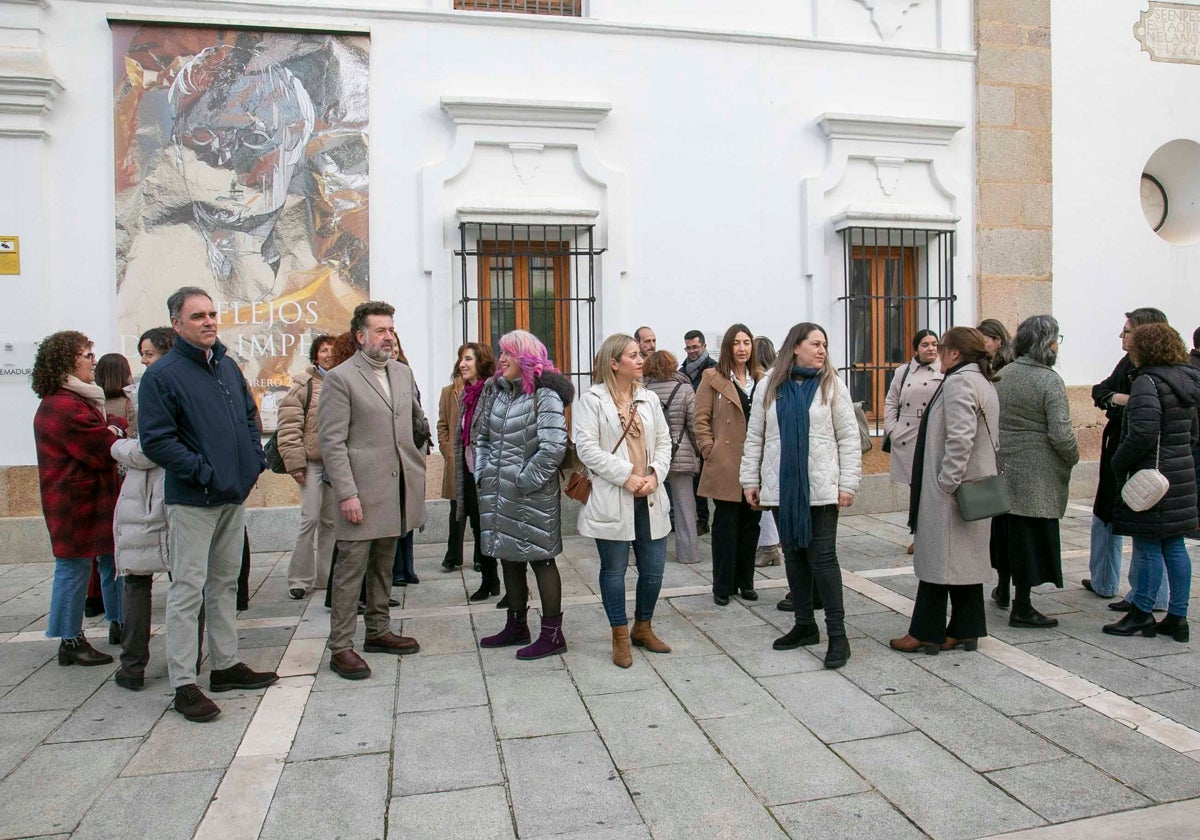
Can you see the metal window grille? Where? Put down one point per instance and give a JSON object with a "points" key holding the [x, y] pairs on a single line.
{"points": [[897, 281], [537, 277], [562, 8]]}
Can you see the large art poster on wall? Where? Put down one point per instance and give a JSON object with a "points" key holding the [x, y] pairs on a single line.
{"points": [[241, 168]]}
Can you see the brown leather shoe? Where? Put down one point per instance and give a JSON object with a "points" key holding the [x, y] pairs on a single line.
{"points": [[622, 656], [909, 550], [391, 643], [643, 635], [966, 644], [349, 665], [911, 644]]}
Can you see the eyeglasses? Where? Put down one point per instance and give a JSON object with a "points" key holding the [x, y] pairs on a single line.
{"points": [[1061, 338], [91, 356]]}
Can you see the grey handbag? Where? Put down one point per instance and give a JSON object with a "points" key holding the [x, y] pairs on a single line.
{"points": [[987, 497]]}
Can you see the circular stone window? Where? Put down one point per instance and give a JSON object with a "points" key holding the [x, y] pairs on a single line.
{"points": [[1169, 188]]}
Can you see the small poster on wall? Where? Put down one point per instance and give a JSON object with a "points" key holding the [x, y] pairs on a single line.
{"points": [[242, 168]]}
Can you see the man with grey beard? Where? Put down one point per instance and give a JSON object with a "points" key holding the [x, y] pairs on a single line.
{"points": [[367, 420]]}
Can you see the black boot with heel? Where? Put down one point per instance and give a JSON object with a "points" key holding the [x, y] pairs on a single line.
{"points": [[1174, 626], [1134, 622]]}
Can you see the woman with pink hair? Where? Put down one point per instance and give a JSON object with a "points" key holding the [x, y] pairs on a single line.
{"points": [[519, 437]]}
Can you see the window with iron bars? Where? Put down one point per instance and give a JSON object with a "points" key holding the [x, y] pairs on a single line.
{"points": [[897, 281], [561, 8], [539, 278]]}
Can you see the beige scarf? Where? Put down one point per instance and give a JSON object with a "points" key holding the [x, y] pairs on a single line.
{"points": [[90, 391]]}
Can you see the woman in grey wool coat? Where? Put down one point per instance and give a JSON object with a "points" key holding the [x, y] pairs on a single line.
{"points": [[1038, 449]]}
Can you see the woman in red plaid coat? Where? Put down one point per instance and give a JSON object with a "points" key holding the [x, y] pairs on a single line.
{"points": [[78, 480]]}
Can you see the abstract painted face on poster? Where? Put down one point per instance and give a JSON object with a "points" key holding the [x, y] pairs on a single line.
{"points": [[242, 168]]}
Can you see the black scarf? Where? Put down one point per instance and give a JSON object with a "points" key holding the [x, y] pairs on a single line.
{"points": [[918, 471]]}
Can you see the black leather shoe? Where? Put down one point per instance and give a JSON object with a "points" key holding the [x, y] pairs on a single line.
{"points": [[1087, 584], [487, 589], [1120, 606], [1175, 627], [1030, 618], [701, 529], [786, 604], [295, 594], [413, 579], [1133, 622], [800, 634], [240, 676], [78, 651], [191, 702], [749, 595], [1002, 599], [838, 653], [115, 629], [133, 682], [451, 565], [721, 600], [399, 581]]}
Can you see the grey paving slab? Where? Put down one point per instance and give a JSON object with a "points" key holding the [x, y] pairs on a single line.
{"points": [[175, 745], [880, 626], [1067, 789], [1181, 706], [684, 637], [1181, 666], [20, 732], [834, 708], [1104, 668], [439, 682], [338, 797], [265, 637], [879, 670], [997, 685], [751, 648], [974, 732], [702, 612], [448, 749], [479, 813], [453, 634], [54, 686], [871, 546], [20, 659], [56, 785], [538, 703], [1148, 767], [699, 800], [593, 672], [648, 728], [16, 623], [780, 759], [340, 723], [847, 818], [115, 712], [160, 807], [916, 775], [435, 592], [622, 832], [262, 658], [565, 783], [712, 686]]}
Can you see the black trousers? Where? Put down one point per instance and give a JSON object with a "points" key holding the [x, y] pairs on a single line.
{"points": [[487, 565], [817, 565], [701, 501], [135, 633], [734, 542], [454, 542], [967, 617]]}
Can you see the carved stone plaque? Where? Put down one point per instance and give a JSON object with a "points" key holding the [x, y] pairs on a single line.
{"points": [[1170, 32]]}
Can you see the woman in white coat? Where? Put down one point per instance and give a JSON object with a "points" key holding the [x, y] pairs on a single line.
{"points": [[622, 437], [802, 460], [957, 443]]}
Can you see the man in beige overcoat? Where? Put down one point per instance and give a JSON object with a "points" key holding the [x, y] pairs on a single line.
{"points": [[368, 419]]}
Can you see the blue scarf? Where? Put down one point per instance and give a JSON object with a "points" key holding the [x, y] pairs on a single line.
{"points": [[791, 409]]}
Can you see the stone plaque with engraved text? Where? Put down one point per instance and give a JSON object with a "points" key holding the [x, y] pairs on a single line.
{"points": [[1170, 32]]}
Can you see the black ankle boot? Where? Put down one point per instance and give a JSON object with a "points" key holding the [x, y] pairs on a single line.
{"points": [[800, 634], [838, 653], [489, 587], [1134, 622], [1175, 626], [78, 652]]}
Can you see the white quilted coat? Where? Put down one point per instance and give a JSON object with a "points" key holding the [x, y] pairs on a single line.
{"points": [[834, 453]]}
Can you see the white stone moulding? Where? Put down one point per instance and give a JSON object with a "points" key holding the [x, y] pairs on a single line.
{"points": [[888, 15], [24, 99], [888, 129], [469, 110]]}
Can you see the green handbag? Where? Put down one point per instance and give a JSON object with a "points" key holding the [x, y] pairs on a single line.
{"points": [[987, 497]]}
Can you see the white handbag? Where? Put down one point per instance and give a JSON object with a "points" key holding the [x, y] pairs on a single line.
{"points": [[1145, 488]]}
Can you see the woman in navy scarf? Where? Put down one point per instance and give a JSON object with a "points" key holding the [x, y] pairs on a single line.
{"points": [[802, 461]]}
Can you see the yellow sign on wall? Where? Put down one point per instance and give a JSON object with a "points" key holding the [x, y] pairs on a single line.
{"points": [[10, 255]]}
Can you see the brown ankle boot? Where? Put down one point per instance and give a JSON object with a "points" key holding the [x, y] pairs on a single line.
{"points": [[643, 635], [622, 656]]}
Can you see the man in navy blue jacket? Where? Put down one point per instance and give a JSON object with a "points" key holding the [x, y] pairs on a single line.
{"points": [[199, 423]]}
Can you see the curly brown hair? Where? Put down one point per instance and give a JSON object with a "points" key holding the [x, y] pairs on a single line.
{"points": [[55, 359], [344, 346], [1158, 344], [660, 365]]}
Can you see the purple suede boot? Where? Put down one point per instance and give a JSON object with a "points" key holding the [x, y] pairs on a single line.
{"points": [[550, 642], [515, 632]]}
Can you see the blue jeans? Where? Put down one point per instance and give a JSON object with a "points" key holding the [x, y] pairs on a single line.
{"points": [[1150, 558], [69, 589], [651, 557], [1105, 565]]}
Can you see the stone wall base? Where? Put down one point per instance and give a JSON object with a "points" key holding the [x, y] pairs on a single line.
{"points": [[23, 539]]}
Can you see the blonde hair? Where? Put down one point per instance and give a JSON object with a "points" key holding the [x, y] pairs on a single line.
{"points": [[610, 351]]}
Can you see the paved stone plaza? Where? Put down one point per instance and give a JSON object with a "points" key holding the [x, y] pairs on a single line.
{"points": [[1063, 733]]}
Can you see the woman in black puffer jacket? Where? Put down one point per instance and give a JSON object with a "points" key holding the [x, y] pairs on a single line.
{"points": [[1160, 428]]}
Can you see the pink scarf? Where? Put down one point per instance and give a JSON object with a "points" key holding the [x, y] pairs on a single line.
{"points": [[470, 399]]}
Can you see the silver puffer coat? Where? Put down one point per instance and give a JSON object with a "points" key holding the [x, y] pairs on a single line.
{"points": [[516, 467]]}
